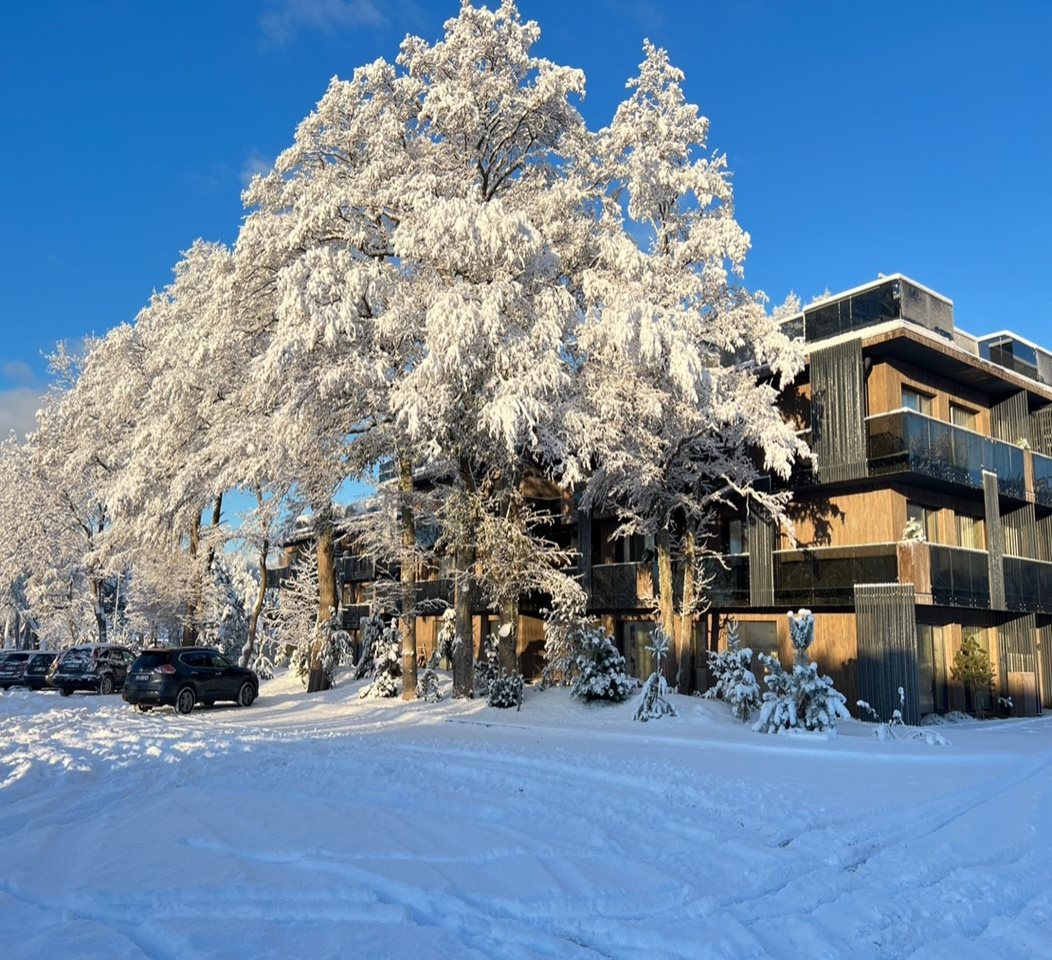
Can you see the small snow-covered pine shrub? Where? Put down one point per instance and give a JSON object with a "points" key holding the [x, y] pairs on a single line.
{"points": [[487, 667], [447, 637], [427, 686], [601, 672], [735, 682], [895, 729], [388, 666], [913, 530], [653, 700], [564, 626], [372, 633], [801, 697], [506, 691]]}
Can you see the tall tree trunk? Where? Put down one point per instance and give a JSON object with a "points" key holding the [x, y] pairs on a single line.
{"points": [[217, 514], [666, 599], [253, 624], [508, 648], [408, 578], [319, 678], [464, 650], [100, 614], [685, 648], [190, 619]]}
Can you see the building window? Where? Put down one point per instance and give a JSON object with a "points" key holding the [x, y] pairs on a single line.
{"points": [[738, 536], [915, 400], [971, 532], [963, 417], [923, 519]]}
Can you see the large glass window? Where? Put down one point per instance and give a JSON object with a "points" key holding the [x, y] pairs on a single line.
{"points": [[737, 536], [925, 519], [963, 417], [915, 400]]}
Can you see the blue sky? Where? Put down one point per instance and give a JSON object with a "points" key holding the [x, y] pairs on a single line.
{"points": [[864, 138]]}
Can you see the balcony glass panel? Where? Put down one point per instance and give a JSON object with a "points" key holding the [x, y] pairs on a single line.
{"points": [[1028, 585], [828, 577], [960, 578], [906, 441], [1043, 479]]}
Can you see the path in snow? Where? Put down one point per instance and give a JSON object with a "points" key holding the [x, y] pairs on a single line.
{"points": [[327, 826]]}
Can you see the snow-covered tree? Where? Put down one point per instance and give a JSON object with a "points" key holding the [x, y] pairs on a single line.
{"points": [[387, 671], [653, 700], [601, 672], [679, 363], [800, 697], [735, 682]]}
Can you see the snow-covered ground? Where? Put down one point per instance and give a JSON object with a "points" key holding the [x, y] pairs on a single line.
{"points": [[326, 826]]}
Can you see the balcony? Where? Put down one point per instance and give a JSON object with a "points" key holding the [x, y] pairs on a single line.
{"points": [[827, 577], [960, 577], [355, 569], [1028, 585], [621, 586], [910, 442], [1043, 479]]}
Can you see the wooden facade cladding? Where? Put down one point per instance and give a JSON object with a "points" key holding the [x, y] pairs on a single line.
{"points": [[887, 648], [761, 559], [1010, 419], [838, 412], [887, 378]]}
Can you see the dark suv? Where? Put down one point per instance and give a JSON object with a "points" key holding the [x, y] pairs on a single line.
{"points": [[37, 670], [13, 665], [181, 677], [93, 666]]}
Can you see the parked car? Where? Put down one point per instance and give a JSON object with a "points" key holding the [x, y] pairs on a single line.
{"points": [[92, 666], [37, 670], [182, 677], [13, 665]]}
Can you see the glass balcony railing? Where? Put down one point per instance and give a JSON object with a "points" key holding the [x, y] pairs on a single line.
{"points": [[910, 442], [827, 577], [960, 577], [1043, 479], [1028, 585]]}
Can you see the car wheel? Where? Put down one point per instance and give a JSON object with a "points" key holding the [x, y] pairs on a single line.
{"points": [[105, 685], [143, 707], [65, 691], [246, 695], [185, 700]]}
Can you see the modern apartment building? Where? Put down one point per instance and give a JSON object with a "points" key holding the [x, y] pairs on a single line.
{"points": [[925, 519]]}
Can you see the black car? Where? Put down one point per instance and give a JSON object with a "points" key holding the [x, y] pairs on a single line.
{"points": [[181, 677], [92, 666], [13, 665], [37, 670]]}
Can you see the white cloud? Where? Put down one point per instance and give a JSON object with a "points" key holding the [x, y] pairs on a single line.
{"points": [[283, 19], [254, 163], [18, 410], [18, 372]]}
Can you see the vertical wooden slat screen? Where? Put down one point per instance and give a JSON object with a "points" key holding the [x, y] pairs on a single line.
{"points": [[886, 627], [761, 560], [838, 402]]}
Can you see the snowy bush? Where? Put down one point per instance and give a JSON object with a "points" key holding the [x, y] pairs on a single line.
{"points": [[447, 637], [735, 682], [372, 632], [895, 729], [427, 686], [506, 691], [799, 698], [600, 671], [913, 530], [387, 670], [564, 625], [653, 699], [487, 667]]}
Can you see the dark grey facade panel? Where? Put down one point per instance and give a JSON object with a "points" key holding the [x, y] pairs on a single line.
{"points": [[838, 410], [1020, 533], [886, 627], [761, 559], [995, 544], [1011, 419]]}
